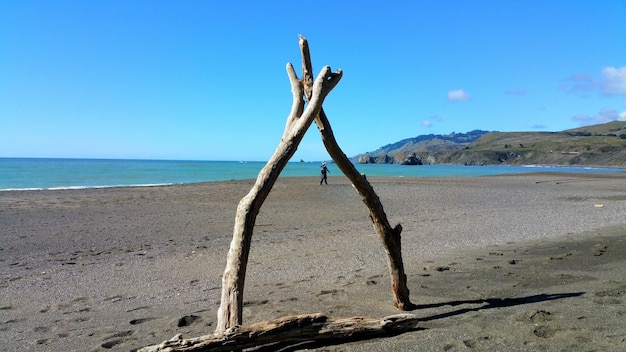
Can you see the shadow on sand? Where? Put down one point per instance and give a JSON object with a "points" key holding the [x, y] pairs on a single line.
{"points": [[484, 304], [492, 303]]}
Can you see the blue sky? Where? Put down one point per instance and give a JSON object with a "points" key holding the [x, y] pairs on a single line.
{"points": [[206, 80]]}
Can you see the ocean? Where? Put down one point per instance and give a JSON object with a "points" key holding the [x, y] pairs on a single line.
{"points": [[43, 174]]}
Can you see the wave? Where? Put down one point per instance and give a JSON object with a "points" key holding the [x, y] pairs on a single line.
{"points": [[572, 167], [62, 188], [540, 166]]}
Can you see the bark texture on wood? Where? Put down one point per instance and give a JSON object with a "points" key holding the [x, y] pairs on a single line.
{"points": [[299, 120], [292, 330], [389, 236]]}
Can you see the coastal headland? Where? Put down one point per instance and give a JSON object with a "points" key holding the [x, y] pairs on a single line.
{"points": [[532, 262]]}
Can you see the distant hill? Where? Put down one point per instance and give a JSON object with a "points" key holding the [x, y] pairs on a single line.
{"points": [[396, 153], [596, 145]]}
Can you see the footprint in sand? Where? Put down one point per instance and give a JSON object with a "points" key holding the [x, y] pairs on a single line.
{"points": [[480, 343], [187, 320], [110, 344], [291, 299], [540, 316], [329, 292], [534, 316], [373, 280], [116, 298], [617, 292], [613, 296], [44, 329], [116, 339], [599, 249], [42, 341], [140, 321], [544, 331], [138, 308]]}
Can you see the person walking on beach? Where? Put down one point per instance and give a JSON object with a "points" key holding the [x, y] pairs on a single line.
{"points": [[324, 172]]}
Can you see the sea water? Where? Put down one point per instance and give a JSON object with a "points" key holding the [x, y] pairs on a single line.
{"points": [[40, 174]]}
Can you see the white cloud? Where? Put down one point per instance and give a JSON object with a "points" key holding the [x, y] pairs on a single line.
{"points": [[458, 95], [605, 115], [429, 123], [611, 82], [614, 80]]}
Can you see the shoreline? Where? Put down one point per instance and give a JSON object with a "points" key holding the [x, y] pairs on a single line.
{"points": [[611, 171], [53, 174], [122, 268]]}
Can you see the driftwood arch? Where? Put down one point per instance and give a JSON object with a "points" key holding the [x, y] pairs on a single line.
{"points": [[314, 92], [308, 97]]}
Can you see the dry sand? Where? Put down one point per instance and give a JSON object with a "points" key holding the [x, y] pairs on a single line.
{"points": [[532, 262]]}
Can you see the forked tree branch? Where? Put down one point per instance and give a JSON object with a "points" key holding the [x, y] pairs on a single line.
{"points": [[230, 312]]}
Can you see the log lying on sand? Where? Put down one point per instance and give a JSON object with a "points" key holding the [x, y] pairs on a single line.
{"points": [[291, 329]]}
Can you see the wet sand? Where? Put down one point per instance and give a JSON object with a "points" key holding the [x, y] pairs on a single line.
{"points": [[533, 262]]}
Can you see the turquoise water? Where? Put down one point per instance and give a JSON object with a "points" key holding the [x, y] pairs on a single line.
{"points": [[35, 174]]}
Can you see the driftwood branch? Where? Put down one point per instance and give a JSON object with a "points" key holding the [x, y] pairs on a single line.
{"points": [[389, 236], [231, 305], [290, 330]]}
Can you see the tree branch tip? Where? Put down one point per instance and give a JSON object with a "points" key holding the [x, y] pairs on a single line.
{"points": [[291, 71], [303, 42]]}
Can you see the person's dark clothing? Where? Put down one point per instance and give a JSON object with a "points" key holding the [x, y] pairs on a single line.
{"points": [[324, 172]]}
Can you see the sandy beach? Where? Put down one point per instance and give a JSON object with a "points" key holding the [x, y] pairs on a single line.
{"points": [[533, 262]]}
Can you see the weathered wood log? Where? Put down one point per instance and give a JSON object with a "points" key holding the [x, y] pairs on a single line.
{"points": [[389, 236], [291, 330], [300, 119]]}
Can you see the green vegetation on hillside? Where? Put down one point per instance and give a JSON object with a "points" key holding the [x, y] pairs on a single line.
{"points": [[600, 145]]}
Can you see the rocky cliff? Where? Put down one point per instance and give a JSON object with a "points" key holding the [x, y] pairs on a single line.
{"points": [[597, 145]]}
